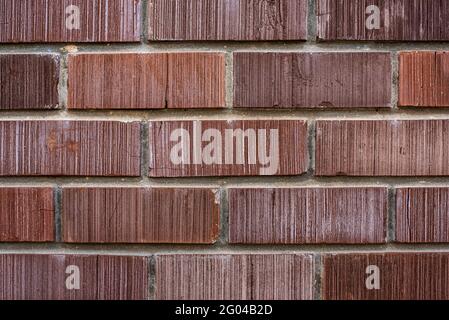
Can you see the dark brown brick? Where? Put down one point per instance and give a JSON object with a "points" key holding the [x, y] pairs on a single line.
{"points": [[402, 276], [382, 148], [407, 20], [46, 21], [45, 277], [422, 215], [283, 148], [227, 20], [139, 215], [146, 80], [69, 148], [26, 215], [234, 277], [29, 81], [312, 80], [424, 79], [307, 215]]}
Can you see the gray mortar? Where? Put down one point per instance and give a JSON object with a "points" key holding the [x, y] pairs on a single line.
{"points": [[222, 183]]}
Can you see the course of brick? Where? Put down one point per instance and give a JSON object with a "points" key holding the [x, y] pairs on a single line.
{"points": [[211, 149]]}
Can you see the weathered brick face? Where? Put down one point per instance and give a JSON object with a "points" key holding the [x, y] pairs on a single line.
{"points": [[69, 148], [312, 80], [146, 81], [228, 148], [227, 20], [386, 20], [133, 215], [224, 149], [29, 81], [43, 21]]}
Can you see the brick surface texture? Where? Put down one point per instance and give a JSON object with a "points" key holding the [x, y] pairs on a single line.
{"points": [[224, 149]]}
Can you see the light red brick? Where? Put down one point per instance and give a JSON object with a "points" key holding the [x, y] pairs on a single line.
{"points": [[146, 80], [424, 79]]}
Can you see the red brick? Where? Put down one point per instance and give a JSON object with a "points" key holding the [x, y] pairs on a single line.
{"points": [[408, 20], [422, 215], [382, 148], [424, 79], [139, 215], [234, 277], [69, 148], [227, 20], [312, 80], [26, 215], [307, 215], [29, 81], [146, 80], [402, 276], [45, 21], [43, 277], [288, 156]]}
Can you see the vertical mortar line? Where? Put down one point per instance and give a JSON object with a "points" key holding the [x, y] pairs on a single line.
{"points": [[311, 22], [391, 221], [152, 277], [144, 23], [224, 217], [318, 276], [144, 151], [395, 80], [311, 135], [229, 79], [63, 78], [58, 209]]}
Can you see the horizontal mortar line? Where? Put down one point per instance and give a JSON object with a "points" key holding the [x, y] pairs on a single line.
{"points": [[163, 46], [229, 114], [230, 182], [148, 249]]}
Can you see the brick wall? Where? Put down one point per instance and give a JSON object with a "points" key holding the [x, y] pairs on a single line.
{"points": [[209, 149]]}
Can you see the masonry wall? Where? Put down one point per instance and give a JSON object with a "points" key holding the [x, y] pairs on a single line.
{"points": [[209, 149]]}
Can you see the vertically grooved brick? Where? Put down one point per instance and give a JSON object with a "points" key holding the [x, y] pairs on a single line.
{"points": [[45, 277], [228, 148], [424, 79], [56, 21], [401, 276], [306, 215], [422, 215], [408, 20], [26, 215], [146, 80], [69, 148], [227, 20], [312, 80], [234, 277], [28, 81], [382, 148], [139, 215], [122, 278]]}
